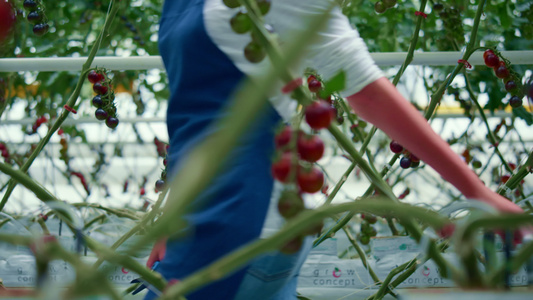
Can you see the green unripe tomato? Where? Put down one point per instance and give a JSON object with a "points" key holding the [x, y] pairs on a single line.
{"points": [[389, 3], [232, 3], [241, 23], [380, 7]]}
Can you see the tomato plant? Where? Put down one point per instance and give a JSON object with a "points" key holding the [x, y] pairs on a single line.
{"points": [[110, 171]]}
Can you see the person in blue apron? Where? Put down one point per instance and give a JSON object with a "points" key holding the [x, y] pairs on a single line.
{"points": [[205, 63]]}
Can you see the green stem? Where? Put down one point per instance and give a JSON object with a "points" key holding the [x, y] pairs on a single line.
{"points": [[340, 183], [43, 226], [3, 222], [412, 45], [402, 277], [53, 250], [470, 48], [108, 254], [350, 215], [518, 260], [96, 278], [405, 64], [385, 286], [409, 268], [123, 213], [473, 274], [492, 139], [293, 228], [94, 220], [375, 178], [125, 260], [362, 256], [515, 180], [138, 227], [366, 140]]}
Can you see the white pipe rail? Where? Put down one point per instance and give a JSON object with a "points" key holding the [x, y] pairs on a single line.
{"points": [[54, 64], [162, 120]]}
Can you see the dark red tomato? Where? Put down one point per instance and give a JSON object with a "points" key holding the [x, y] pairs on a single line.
{"points": [[319, 114], [7, 19], [491, 60], [283, 137], [310, 181], [95, 77], [310, 148], [282, 167], [501, 70]]}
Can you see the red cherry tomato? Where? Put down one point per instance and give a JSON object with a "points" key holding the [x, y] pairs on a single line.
{"points": [[319, 114], [310, 181], [282, 167], [7, 19], [310, 148]]}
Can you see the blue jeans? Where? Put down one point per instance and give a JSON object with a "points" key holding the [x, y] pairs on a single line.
{"points": [[274, 276]]}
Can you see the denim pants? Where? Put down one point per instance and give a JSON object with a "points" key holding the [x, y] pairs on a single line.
{"points": [[274, 276]]}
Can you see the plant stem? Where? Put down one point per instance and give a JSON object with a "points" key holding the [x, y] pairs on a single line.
{"points": [[99, 218], [138, 227], [492, 139], [106, 253], [412, 45], [123, 213], [53, 250], [470, 48], [293, 228], [385, 285], [515, 180], [350, 215], [340, 183], [405, 64], [362, 256]]}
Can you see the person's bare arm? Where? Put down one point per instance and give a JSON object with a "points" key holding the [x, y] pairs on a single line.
{"points": [[381, 104]]}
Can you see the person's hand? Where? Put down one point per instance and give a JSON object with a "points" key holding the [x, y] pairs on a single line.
{"points": [[158, 252]]}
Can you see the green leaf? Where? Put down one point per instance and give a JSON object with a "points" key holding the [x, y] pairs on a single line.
{"points": [[506, 15], [523, 114], [335, 84]]}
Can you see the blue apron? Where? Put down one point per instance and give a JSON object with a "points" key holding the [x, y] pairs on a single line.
{"points": [[231, 212]]}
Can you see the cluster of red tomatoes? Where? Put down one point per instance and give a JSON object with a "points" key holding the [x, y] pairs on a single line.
{"points": [[297, 152], [408, 160], [297, 166], [310, 149], [106, 109], [501, 70], [162, 150]]}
